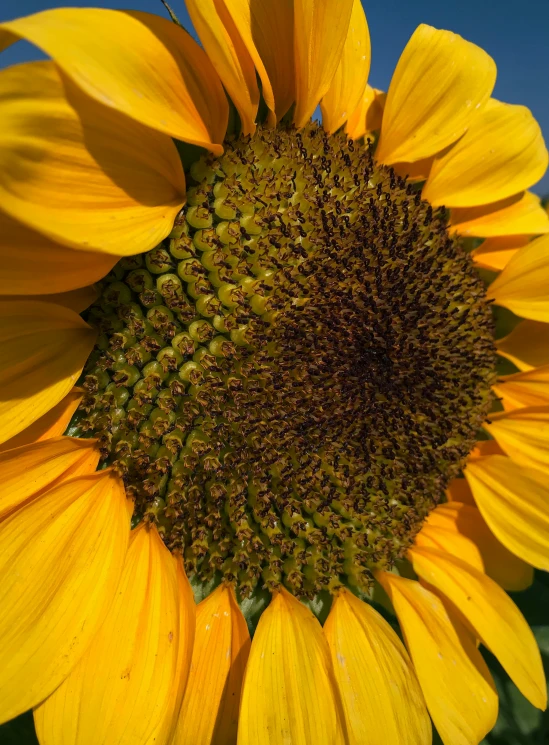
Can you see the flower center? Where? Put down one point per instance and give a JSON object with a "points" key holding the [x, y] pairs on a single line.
{"points": [[288, 384]]}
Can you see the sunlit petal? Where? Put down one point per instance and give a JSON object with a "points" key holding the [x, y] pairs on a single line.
{"points": [[499, 563], [454, 678], [513, 501], [220, 654], [58, 582], [32, 469], [501, 154], [491, 613], [43, 348], [522, 285], [137, 63], [530, 388], [520, 214], [440, 83], [527, 346], [385, 705], [367, 116], [267, 31], [495, 253], [287, 695], [79, 172], [38, 265], [347, 88], [122, 690], [320, 32], [225, 48]]}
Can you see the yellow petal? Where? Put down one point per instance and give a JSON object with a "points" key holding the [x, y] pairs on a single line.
{"points": [[79, 172], [288, 695], [221, 650], [380, 694], [122, 690], [320, 32], [439, 84], [491, 613], [52, 424], [417, 171], [76, 300], [43, 348], [31, 470], [433, 535], [496, 253], [456, 683], [485, 447], [61, 558], [139, 64], [226, 50], [522, 285], [499, 563], [501, 154], [460, 491], [347, 88], [513, 500], [367, 116], [523, 434], [520, 214], [530, 388], [187, 627], [266, 29], [37, 264], [527, 346]]}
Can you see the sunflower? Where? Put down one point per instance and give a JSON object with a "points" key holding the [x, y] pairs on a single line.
{"points": [[249, 361]]}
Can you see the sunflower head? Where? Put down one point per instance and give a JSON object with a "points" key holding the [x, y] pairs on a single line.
{"points": [[290, 382], [286, 373]]}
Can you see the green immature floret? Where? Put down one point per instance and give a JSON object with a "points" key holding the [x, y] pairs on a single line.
{"points": [[288, 383]]}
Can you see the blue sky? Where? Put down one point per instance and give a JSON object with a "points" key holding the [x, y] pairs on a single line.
{"points": [[516, 34]]}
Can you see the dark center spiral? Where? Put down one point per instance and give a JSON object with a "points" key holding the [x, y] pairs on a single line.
{"points": [[288, 384]]}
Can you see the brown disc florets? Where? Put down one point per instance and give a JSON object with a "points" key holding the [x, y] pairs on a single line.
{"points": [[289, 382]]}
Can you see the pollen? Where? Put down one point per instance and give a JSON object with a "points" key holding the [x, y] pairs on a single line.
{"points": [[288, 382]]}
